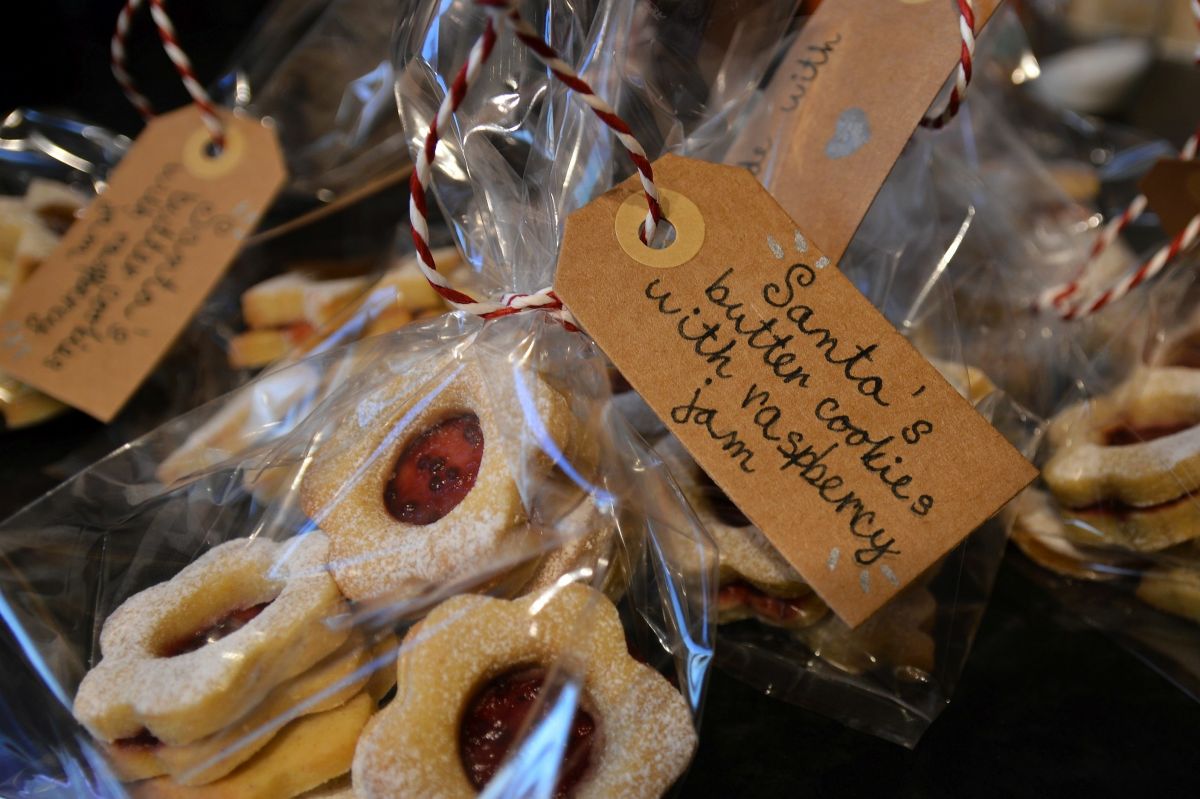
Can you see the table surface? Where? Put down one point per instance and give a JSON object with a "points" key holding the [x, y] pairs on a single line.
{"points": [[1044, 708]]}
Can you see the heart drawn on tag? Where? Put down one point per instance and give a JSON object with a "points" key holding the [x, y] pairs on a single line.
{"points": [[851, 133]]}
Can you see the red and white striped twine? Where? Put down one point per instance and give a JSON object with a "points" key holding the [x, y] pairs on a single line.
{"points": [[962, 74], [1062, 299], [183, 65], [504, 12]]}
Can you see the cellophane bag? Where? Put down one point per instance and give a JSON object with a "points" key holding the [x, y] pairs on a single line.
{"points": [[321, 72], [440, 562], [1111, 528], [936, 254]]}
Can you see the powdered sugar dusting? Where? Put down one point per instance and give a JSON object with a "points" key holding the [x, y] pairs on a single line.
{"points": [[372, 553], [1085, 470], [410, 748]]}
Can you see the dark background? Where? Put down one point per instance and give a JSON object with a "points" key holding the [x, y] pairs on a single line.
{"points": [[1045, 707]]}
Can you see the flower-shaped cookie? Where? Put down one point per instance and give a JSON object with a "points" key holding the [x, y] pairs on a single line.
{"points": [[190, 656], [415, 491], [470, 673], [1127, 465], [756, 582]]}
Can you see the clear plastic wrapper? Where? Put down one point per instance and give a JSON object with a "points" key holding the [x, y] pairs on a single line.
{"points": [[321, 70], [943, 254], [320, 73], [456, 508]]}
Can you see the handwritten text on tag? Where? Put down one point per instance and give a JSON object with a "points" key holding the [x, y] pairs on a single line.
{"points": [[821, 422]]}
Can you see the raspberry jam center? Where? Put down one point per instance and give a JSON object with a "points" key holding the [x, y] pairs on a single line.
{"points": [[1124, 435], [495, 716], [435, 471], [765, 606], [228, 624]]}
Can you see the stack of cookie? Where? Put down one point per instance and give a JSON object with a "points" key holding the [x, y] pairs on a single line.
{"points": [[234, 679], [241, 677], [1124, 471], [284, 311], [294, 313], [331, 313], [30, 228]]}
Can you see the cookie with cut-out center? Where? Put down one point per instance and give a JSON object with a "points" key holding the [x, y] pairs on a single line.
{"points": [[188, 657], [472, 671], [422, 483], [1126, 465]]}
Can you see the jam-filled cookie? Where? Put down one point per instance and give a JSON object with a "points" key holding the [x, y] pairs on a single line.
{"points": [[469, 675], [755, 581], [1126, 466], [190, 656], [414, 491], [306, 754], [1038, 531], [327, 685]]}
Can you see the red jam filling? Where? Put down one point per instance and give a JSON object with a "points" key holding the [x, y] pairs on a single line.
{"points": [[143, 740], [763, 604], [495, 716], [226, 625], [435, 471], [1124, 435], [720, 504]]}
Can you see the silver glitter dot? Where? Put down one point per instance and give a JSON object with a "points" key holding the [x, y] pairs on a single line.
{"points": [[821, 263], [890, 575], [801, 242], [776, 250], [864, 580], [833, 558]]}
